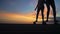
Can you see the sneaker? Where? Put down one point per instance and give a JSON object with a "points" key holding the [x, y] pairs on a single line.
{"points": [[56, 22], [34, 22], [44, 23]]}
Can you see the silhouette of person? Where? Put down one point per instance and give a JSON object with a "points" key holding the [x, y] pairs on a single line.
{"points": [[52, 3], [40, 6]]}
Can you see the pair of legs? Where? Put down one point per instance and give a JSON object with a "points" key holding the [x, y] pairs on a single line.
{"points": [[54, 11], [42, 13]]}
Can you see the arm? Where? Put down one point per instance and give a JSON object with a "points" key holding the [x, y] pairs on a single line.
{"points": [[36, 7]]}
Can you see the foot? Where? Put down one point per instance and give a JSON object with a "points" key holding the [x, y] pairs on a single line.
{"points": [[56, 22], [34, 22], [44, 23]]}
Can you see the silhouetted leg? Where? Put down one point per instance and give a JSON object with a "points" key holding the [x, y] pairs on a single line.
{"points": [[42, 13], [48, 11], [54, 12], [37, 16]]}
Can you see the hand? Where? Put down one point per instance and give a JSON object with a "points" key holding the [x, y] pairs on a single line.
{"points": [[35, 9]]}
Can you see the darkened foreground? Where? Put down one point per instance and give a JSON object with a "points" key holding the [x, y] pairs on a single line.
{"points": [[29, 28]]}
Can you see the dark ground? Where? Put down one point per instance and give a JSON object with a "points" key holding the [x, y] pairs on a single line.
{"points": [[29, 28]]}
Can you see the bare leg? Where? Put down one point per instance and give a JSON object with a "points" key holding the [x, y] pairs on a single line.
{"points": [[37, 16], [42, 16], [54, 12], [42, 13], [48, 11]]}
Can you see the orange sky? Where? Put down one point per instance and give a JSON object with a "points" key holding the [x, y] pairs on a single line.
{"points": [[28, 18]]}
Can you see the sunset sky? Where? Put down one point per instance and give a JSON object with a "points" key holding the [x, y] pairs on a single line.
{"points": [[22, 9]]}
